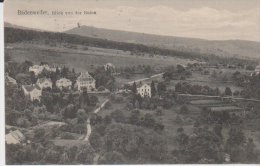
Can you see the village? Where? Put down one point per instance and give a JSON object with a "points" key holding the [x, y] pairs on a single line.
{"points": [[69, 109]]}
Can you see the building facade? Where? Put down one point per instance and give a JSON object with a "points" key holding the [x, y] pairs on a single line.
{"points": [[44, 83], [109, 67], [144, 90], [34, 92], [86, 81], [37, 69], [63, 83]]}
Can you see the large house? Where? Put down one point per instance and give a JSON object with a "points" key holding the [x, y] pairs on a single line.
{"points": [[33, 91], [14, 137], [86, 81], [64, 83], [44, 83], [9, 80], [144, 90], [37, 69]]}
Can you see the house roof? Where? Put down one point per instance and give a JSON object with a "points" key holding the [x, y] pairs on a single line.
{"points": [[138, 85], [35, 67], [85, 77], [30, 88], [10, 79], [109, 64], [17, 135], [63, 80], [42, 80]]}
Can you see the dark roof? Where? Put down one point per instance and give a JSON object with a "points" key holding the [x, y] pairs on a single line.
{"points": [[30, 88], [85, 77], [139, 85]]}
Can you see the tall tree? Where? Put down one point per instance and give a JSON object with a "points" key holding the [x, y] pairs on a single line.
{"points": [[153, 89], [228, 91], [161, 88], [134, 89]]}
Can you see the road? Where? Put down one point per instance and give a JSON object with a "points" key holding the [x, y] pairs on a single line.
{"points": [[144, 79], [88, 120], [224, 97], [86, 138]]}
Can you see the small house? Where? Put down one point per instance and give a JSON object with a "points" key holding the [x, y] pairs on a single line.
{"points": [[64, 83], [34, 92], [44, 83]]}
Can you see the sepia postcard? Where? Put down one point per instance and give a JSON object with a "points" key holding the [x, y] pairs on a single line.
{"points": [[104, 82]]}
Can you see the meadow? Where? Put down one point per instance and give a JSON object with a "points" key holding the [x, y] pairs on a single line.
{"points": [[81, 59]]}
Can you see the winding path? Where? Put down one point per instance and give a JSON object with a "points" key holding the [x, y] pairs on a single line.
{"points": [[144, 79], [86, 138], [88, 120]]}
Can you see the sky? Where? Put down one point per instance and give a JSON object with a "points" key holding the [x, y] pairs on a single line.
{"points": [[206, 19]]}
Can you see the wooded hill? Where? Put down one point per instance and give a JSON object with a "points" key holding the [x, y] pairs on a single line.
{"points": [[13, 35]]}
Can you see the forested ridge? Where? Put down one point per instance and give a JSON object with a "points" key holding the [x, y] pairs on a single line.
{"points": [[13, 35]]}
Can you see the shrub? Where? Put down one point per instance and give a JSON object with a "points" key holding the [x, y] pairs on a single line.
{"points": [[107, 105], [236, 93], [158, 112], [184, 109]]}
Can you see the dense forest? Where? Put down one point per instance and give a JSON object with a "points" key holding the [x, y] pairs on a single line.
{"points": [[13, 35]]}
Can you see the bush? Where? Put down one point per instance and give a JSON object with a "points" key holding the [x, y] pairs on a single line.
{"points": [[159, 112], [118, 116], [107, 105], [236, 93]]}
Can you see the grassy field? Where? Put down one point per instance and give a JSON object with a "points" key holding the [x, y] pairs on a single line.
{"points": [[81, 59], [206, 80]]}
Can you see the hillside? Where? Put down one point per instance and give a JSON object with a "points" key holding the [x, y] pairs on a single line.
{"points": [[15, 35], [9, 25], [238, 48]]}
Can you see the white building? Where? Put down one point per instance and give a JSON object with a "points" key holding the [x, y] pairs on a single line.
{"points": [[33, 91], [64, 83], [86, 81], [144, 90], [44, 83], [37, 69], [14, 137], [109, 66]]}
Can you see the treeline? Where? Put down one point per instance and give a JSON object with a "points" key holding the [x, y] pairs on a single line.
{"points": [[13, 35]]}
